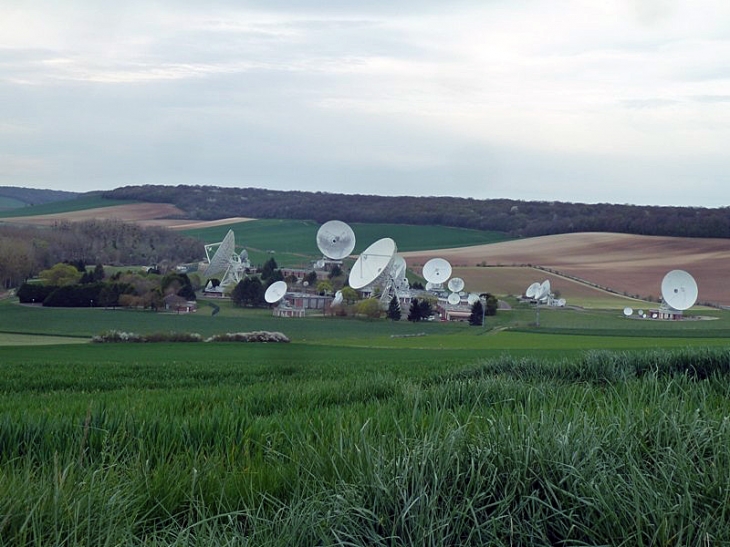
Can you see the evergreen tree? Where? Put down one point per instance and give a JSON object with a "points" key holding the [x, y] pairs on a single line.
{"points": [[394, 313], [425, 309], [249, 293], [491, 305], [414, 312], [476, 318], [268, 268]]}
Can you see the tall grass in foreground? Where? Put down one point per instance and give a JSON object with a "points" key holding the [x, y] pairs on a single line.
{"points": [[606, 449]]}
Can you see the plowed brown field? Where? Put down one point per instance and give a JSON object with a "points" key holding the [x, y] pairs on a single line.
{"points": [[624, 263]]}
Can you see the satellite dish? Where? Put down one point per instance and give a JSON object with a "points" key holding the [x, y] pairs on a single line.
{"points": [[679, 290], [561, 302], [337, 300], [437, 270], [454, 298], [628, 311], [275, 292], [473, 298], [335, 239], [319, 264], [641, 313], [544, 291], [533, 290], [218, 263], [456, 284], [398, 267], [371, 264]]}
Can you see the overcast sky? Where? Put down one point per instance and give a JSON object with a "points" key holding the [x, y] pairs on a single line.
{"points": [[569, 100]]}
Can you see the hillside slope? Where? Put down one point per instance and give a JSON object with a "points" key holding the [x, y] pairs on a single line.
{"points": [[629, 264]]}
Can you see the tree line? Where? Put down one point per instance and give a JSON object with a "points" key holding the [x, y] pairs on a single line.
{"points": [[514, 217], [26, 250]]}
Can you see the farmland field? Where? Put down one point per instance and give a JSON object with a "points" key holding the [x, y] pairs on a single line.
{"points": [[63, 207]]}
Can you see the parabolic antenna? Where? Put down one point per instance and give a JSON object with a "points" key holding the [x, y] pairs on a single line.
{"points": [[456, 284], [679, 290], [533, 290], [218, 263], [628, 311], [473, 298], [437, 270], [454, 298], [398, 267], [337, 300], [335, 239], [373, 261], [544, 291], [642, 313], [275, 292]]}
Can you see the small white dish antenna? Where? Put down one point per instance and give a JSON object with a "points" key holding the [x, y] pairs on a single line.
{"points": [[533, 290], [431, 286], [335, 239], [319, 264], [641, 313], [561, 302], [456, 284], [275, 292], [454, 299], [337, 300], [473, 298], [544, 291], [437, 270], [371, 264], [628, 312], [679, 290]]}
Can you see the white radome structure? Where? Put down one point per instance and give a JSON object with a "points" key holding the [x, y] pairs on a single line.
{"points": [[225, 262]]}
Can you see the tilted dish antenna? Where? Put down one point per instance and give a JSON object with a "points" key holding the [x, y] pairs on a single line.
{"points": [[371, 264], [335, 239], [456, 284], [544, 291], [533, 290], [679, 290], [337, 300], [437, 270], [454, 298], [275, 292], [473, 298], [218, 263], [628, 311]]}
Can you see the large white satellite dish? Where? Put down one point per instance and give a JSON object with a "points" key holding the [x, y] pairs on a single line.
{"points": [[533, 290], [628, 311], [371, 264], [335, 239], [679, 290], [218, 263], [275, 292], [225, 261], [454, 298], [473, 298], [437, 270], [456, 284]]}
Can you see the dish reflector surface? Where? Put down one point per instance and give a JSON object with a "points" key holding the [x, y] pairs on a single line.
{"points": [[337, 299], [437, 270], [275, 292], [372, 263], [456, 284], [544, 291], [473, 298], [222, 257], [679, 290], [335, 239], [533, 290], [454, 299], [628, 311]]}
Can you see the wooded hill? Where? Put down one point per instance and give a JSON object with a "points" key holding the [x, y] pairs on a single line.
{"points": [[33, 196], [514, 217]]}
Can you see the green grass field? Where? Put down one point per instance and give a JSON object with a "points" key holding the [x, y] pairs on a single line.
{"points": [[10, 203], [295, 240], [591, 429]]}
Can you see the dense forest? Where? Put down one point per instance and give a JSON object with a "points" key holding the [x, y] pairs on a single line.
{"points": [[24, 251], [517, 218]]}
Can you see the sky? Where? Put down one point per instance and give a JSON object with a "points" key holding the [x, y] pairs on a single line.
{"points": [[551, 100]]}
